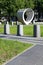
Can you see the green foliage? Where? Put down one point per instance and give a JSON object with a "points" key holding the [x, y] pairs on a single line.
{"points": [[20, 3], [39, 4], [29, 4], [10, 7]]}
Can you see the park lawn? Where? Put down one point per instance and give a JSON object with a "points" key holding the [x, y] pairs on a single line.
{"points": [[10, 48], [13, 29], [41, 27], [1, 28], [27, 29]]}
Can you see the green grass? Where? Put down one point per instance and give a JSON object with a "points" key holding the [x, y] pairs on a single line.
{"points": [[28, 30], [41, 28], [9, 48], [1, 29], [13, 29]]}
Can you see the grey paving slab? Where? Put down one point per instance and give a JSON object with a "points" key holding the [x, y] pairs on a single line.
{"points": [[33, 56], [25, 39]]}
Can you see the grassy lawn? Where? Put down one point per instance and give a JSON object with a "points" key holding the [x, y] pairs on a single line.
{"points": [[28, 30], [9, 48], [41, 26], [1, 29], [13, 29]]}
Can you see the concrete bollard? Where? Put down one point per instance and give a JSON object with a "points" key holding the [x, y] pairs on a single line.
{"points": [[6, 28], [36, 31], [20, 30]]}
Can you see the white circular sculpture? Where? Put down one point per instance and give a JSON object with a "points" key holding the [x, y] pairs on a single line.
{"points": [[25, 15]]}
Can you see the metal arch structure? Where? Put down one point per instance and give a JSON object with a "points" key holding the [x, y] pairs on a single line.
{"points": [[25, 15]]}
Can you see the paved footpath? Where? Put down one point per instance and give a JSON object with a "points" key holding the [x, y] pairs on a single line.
{"points": [[33, 56], [25, 39]]}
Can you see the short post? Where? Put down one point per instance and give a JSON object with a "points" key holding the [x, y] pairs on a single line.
{"points": [[6, 28], [12, 23], [20, 30], [0, 23], [36, 30]]}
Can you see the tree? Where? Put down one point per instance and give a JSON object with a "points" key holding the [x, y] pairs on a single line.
{"points": [[1, 6], [29, 4], [19, 4], [8, 8]]}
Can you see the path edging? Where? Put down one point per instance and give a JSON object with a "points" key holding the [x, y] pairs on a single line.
{"points": [[18, 54]]}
